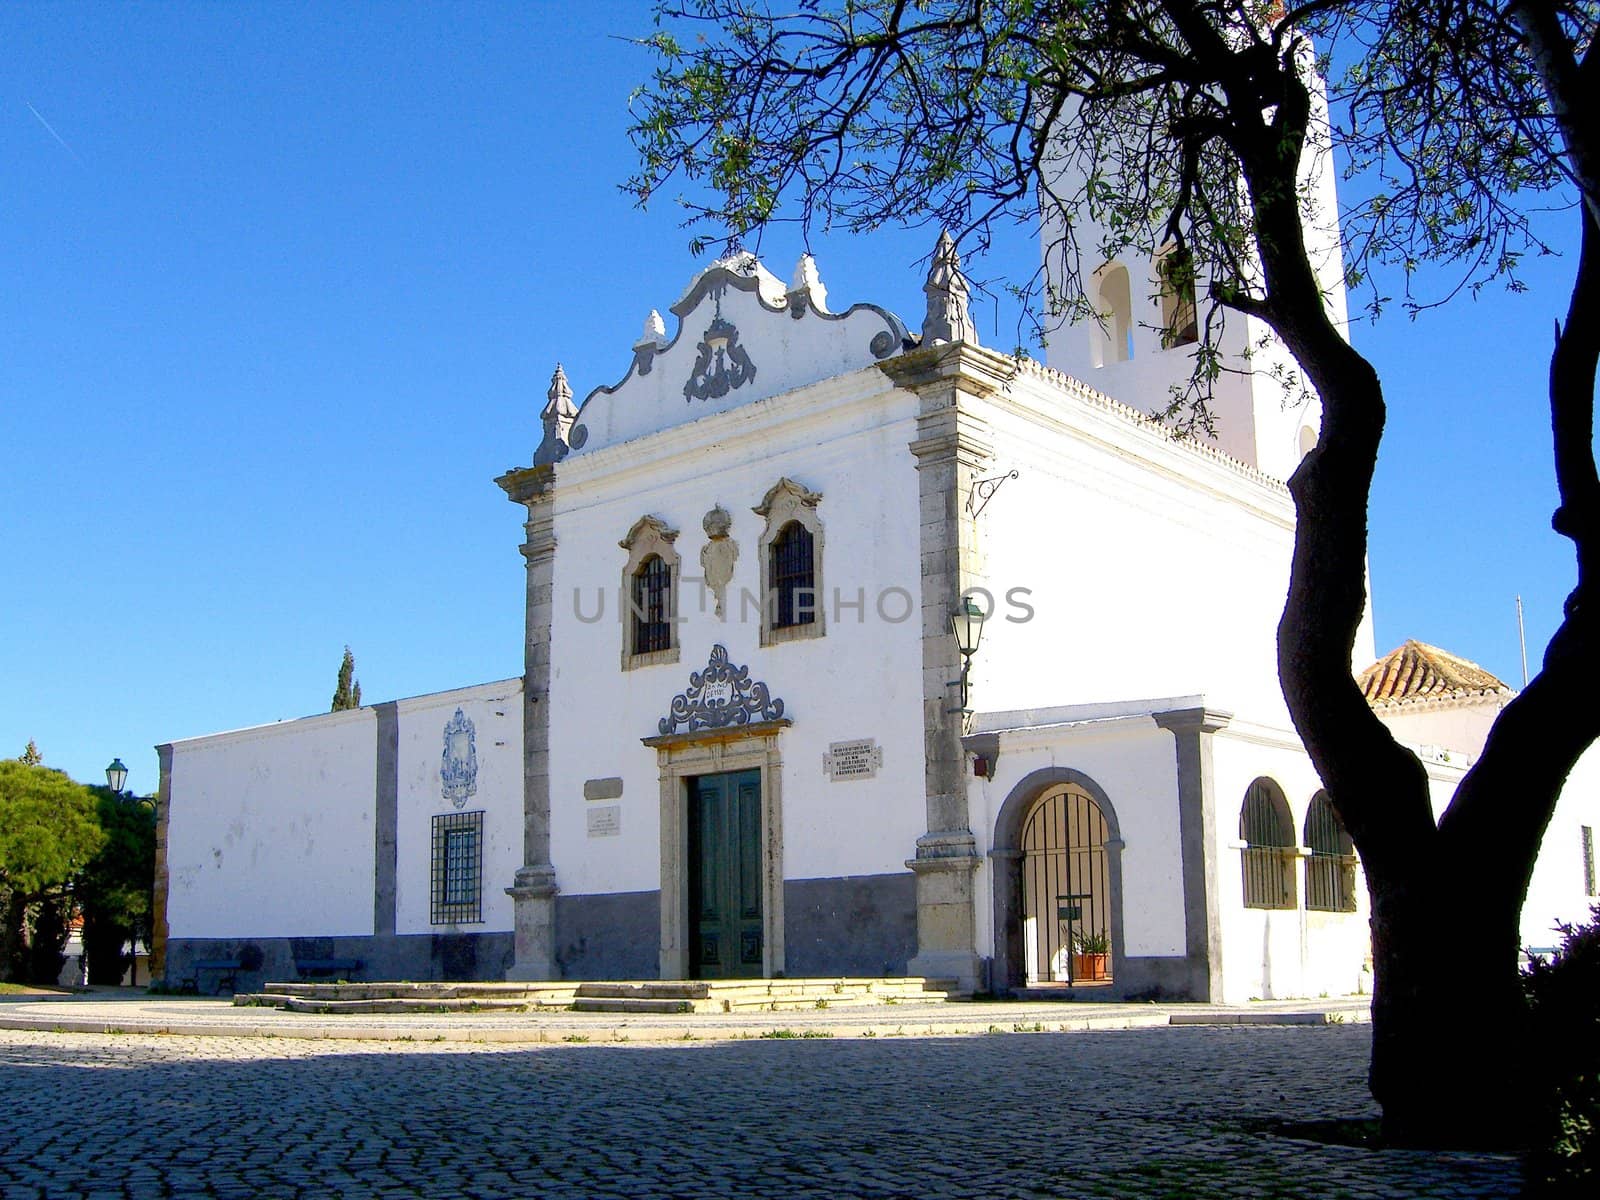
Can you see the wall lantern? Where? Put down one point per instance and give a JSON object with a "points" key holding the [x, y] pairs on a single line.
{"points": [[966, 626], [116, 775]]}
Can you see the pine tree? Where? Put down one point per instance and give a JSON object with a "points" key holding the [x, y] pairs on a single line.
{"points": [[30, 755], [347, 692]]}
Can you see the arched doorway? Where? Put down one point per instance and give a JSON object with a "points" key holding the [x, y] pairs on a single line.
{"points": [[1066, 890]]}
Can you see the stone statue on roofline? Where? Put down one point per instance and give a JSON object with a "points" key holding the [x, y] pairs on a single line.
{"points": [[948, 319]]}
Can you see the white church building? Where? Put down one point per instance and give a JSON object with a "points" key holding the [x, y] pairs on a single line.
{"points": [[750, 739]]}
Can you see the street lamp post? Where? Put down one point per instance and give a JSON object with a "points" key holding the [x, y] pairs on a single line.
{"points": [[116, 779], [966, 626]]}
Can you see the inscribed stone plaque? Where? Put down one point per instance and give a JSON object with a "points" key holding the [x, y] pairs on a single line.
{"points": [[605, 821], [852, 760], [602, 789]]}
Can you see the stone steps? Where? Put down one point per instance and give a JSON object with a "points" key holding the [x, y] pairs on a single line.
{"points": [[612, 996]]}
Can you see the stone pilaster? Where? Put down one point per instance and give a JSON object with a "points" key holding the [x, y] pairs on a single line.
{"points": [[158, 889], [1197, 839], [952, 448], [534, 887]]}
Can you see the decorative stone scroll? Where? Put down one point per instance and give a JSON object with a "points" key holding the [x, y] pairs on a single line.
{"points": [[722, 365], [719, 696]]}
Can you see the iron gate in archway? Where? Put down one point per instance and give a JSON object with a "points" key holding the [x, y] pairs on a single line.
{"points": [[1066, 893]]}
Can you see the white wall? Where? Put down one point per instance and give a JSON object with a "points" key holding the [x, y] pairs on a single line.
{"points": [[1558, 891], [1270, 954], [270, 830], [847, 439], [1156, 569], [1134, 763], [495, 710]]}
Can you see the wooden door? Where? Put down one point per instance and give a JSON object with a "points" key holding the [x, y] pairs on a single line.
{"points": [[725, 875]]}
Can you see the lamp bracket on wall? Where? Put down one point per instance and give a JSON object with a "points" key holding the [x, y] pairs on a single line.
{"points": [[983, 491]]}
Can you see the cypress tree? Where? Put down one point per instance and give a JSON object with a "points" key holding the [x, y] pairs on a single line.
{"points": [[347, 692]]}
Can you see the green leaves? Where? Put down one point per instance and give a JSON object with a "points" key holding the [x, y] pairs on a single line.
{"points": [[48, 828]]}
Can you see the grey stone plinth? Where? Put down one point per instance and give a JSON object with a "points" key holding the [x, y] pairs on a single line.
{"points": [[534, 893], [945, 866]]}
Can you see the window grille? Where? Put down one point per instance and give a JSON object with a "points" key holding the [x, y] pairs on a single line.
{"points": [[1331, 869], [1269, 853], [457, 891], [793, 577], [1587, 832], [652, 606]]}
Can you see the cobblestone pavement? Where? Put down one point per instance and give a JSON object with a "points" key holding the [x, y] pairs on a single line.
{"points": [[1168, 1113]]}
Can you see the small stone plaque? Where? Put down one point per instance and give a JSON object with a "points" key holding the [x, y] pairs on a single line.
{"points": [[602, 789], [852, 760], [605, 821]]}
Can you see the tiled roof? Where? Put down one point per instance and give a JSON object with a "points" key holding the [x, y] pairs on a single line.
{"points": [[1418, 671]]}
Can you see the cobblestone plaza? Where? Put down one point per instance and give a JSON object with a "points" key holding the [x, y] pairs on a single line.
{"points": [[1163, 1112]]}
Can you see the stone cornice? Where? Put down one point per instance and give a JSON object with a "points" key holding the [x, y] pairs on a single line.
{"points": [[971, 368], [524, 485], [727, 733], [1193, 720]]}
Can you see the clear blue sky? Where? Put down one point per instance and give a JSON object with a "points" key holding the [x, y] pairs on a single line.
{"points": [[282, 289]]}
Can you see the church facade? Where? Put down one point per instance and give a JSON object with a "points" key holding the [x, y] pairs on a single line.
{"points": [[851, 650]]}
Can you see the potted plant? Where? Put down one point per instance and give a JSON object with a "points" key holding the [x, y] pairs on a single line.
{"points": [[1091, 956]]}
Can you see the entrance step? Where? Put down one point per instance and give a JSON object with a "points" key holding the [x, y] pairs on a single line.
{"points": [[756, 995], [613, 996], [331, 998]]}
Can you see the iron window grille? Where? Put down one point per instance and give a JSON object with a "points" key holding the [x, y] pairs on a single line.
{"points": [[457, 885], [1269, 853], [793, 577], [1331, 869], [652, 606]]}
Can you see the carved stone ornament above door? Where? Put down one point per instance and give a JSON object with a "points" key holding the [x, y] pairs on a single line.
{"points": [[721, 695]]}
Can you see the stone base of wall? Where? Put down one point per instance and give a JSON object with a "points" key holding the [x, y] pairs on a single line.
{"points": [[611, 936], [416, 958], [859, 925]]}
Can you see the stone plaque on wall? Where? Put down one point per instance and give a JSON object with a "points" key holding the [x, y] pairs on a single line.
{"points": [[605, 821], [852, 760]]}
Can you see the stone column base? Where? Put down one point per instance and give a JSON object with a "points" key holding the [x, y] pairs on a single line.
{"points": [[534, 892], [946, 914]]}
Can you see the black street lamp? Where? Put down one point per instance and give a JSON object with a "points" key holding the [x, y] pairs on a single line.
{"points": [[116, 780], [966, 626]]}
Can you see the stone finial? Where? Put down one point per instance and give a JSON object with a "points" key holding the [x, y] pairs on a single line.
{"points": [[655, 330], [651, 343], [807, 289], [557, 417], [948, 319]]}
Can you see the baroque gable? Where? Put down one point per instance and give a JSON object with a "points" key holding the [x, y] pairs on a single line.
{"points": [[742, 337]]}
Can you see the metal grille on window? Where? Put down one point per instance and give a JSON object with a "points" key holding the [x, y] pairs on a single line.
{"points": [[652, 606], [457, 886], [1269, 852], [793, 577], [1331, 869], [1587, 832]]}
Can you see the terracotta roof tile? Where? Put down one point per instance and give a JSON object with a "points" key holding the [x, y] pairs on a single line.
{"points": [[1418, 671]]}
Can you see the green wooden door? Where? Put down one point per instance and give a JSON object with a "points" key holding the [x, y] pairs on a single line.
{"points": [[725, 875]]}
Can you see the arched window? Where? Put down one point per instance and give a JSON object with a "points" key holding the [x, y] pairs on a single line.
{"points": [[1269, 847], [1331, 869], [648, 582], [1180, 323], [1308, 440], [652, 606], [794, 577], [791, 564], [1112, 332]]}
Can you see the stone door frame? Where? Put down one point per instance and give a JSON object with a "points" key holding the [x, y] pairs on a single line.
{"points": [[681, 757]]}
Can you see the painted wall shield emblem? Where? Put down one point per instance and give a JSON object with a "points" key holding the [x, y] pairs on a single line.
{"points": [[721, 695], [458, 773], [722, 366]]}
